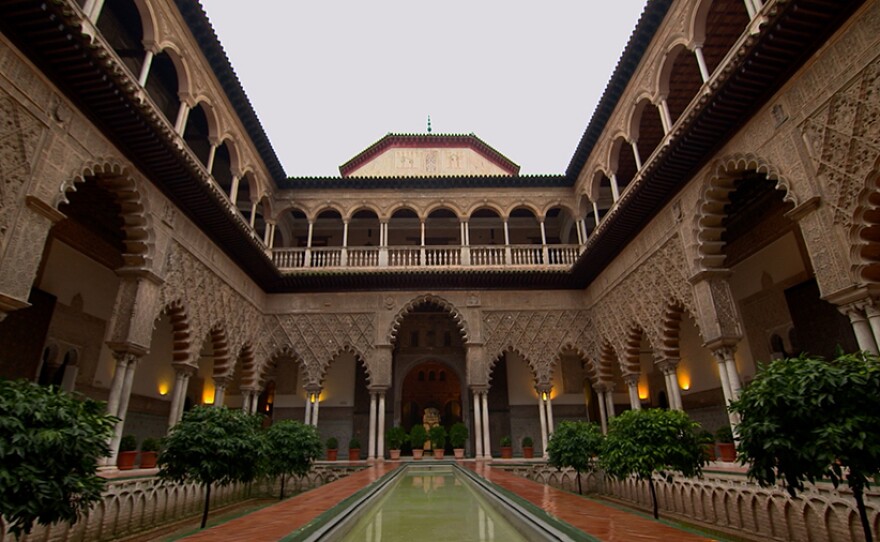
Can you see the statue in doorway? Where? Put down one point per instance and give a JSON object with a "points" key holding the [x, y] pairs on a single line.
{"points": [[430, 418]]}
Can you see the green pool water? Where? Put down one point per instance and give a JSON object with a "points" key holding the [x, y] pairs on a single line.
{"points": [[433, 505]]}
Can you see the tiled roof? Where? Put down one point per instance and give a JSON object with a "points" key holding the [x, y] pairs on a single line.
{"points": [[200, 26]]}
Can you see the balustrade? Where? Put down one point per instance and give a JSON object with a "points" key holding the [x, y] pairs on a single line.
{"points": [[402, 257]]}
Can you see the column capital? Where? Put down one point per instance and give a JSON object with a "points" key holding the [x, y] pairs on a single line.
{"points": [[480, 389], [377, 389], [128, 351], [186, 369], [724, 353], [632, 379]]}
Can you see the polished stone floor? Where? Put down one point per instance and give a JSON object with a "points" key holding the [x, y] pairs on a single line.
{"points": [[599, 520]]}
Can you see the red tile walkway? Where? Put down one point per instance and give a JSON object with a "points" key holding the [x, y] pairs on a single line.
{"points": [[599, 520], [603, 522]]}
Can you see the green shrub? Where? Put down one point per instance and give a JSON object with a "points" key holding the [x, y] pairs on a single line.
{"points": [[527, 442], [354, 444], [437, 434], [332, 443], [150, 445], [506, 442], [458, 435], [128, 443], [417, 436], [395, 437]]}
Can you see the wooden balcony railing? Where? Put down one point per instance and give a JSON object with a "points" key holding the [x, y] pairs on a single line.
{"points": [[408, 257]]}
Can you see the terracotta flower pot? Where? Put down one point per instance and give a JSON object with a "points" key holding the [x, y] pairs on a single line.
{"points": [[354, 454], [727, 451], [148, 460], [394, 454], [528, 452], [417, 453], [506, 452], [438, 454], [331, 455], [709, 451], [125, 460], [459, 453]]}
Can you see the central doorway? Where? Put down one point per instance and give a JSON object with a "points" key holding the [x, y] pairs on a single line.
{"points": [[431, 384]]}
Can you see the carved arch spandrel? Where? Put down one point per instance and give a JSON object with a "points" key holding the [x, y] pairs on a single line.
{"points": [[537, 336], [429, 299], [315, 339], [640, 299]]}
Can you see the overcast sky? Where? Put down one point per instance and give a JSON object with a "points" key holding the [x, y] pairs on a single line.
{"points": [[329, 78]]}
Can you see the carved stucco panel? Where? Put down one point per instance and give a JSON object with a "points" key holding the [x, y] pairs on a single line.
{"points": [[20, 134], [642, 297], [843, 139], [538, 336], [315, 339], [210, 302]]}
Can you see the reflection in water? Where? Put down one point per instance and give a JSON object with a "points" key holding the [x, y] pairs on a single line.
{"points": [[434, 507]]}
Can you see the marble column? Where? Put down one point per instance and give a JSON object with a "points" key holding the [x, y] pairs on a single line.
{"points": [[371, 440], [603, 416], [122, 411], [308, 418], [487, 446], [862, 326], [609, 404], [380, 429], [542, 414], [478, 426], [632, 385]]}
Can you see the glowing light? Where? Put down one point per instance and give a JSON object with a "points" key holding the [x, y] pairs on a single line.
{"points": [[313, 397], [164, 388], [684, 381], [208, 393], [544, 395], [643, 391]]}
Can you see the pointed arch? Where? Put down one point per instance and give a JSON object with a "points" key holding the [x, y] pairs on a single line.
{"points": [[115, 177], [429, 299], [359, 357]]}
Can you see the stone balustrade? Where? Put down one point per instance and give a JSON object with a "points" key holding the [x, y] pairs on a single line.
{"points": [[407, 257], [140, 504], [728, 502]]}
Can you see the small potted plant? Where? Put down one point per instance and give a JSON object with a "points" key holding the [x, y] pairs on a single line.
{"points": [[149, 452], [394, 437], [417, 438], [458, 435], [127, 453], [437, 435], [506, 449], [708, 441], [726, 448], [528, 447], [332, 448], [354, 449]]}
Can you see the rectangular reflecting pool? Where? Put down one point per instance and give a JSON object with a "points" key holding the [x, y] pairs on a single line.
{"points": [[437, 503]]}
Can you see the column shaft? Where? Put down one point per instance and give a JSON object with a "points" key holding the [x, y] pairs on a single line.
{"points": [[308, 419], [603, 416], [543, 416], [380, 429], [487, 446], [478, 427], [371, 444]]}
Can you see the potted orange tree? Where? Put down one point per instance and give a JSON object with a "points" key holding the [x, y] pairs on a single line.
{"points": [[458, 435], [726, 448], [332, 448], [127, 453], [528, 447], [354, 449], [417, 438], [149, 452], [506, 447], [394, 437], [437, 435]]}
